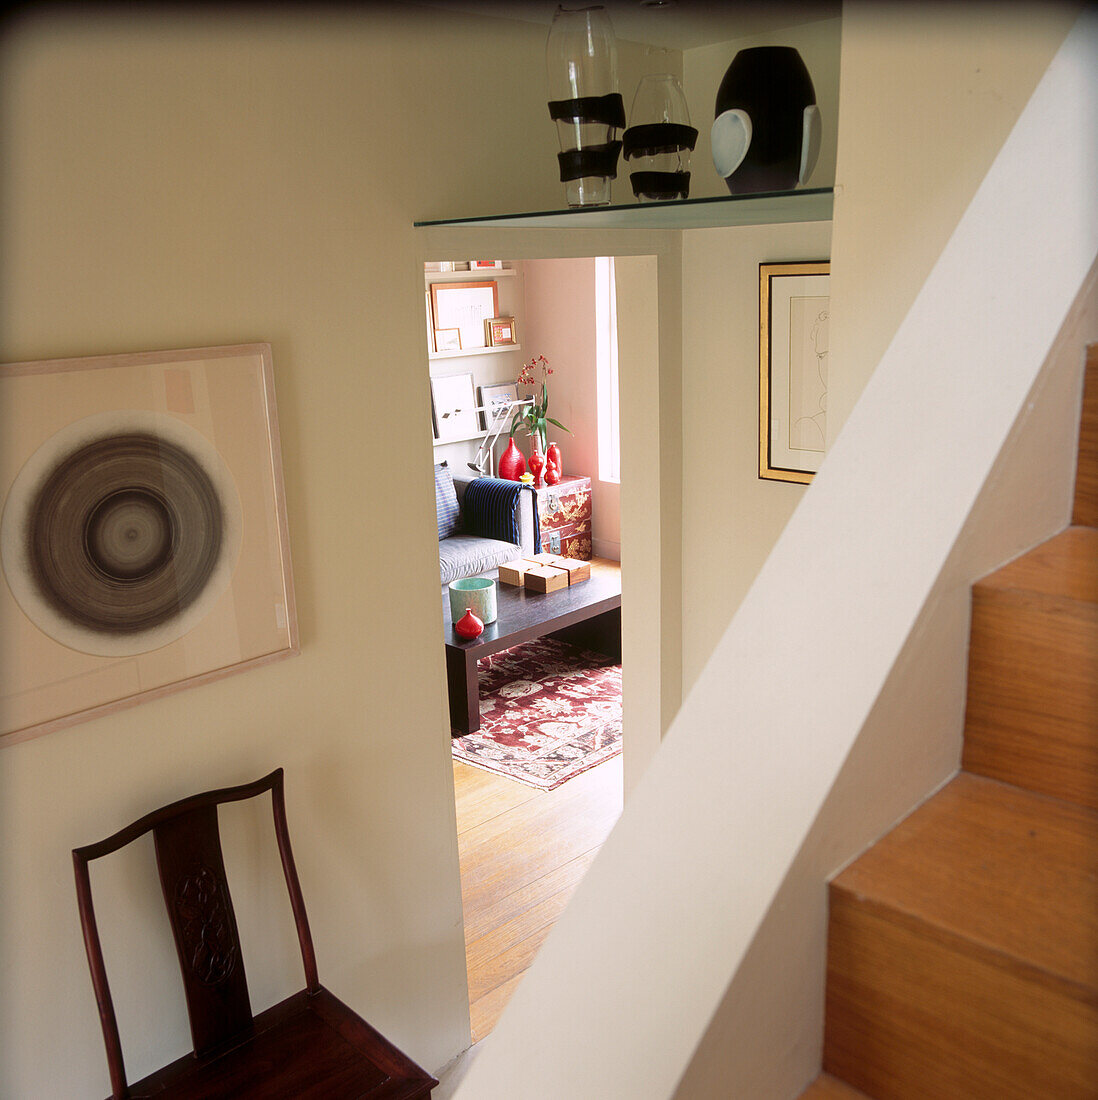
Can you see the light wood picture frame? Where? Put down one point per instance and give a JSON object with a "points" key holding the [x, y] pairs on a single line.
{"points": [[447, 339], [794, 317], [143, 536], [465, 306]]}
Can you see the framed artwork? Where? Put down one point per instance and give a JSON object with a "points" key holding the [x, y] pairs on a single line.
{"points": [[143, 536], [454, 407], [465, 306], [502, 395], [794, 315], [447, 339], [486, 265], [500, 331]]}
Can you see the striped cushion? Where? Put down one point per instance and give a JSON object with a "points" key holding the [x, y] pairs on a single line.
{"points": [[446, 502], [490, 509]]}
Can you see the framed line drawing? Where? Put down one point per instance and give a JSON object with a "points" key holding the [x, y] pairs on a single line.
{"points": [[143, 536], [465, 306], [794, 317], [454, 407]]}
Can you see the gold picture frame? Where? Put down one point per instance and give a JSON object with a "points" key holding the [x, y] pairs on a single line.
{"points": [[500, 332], [794, 317]]}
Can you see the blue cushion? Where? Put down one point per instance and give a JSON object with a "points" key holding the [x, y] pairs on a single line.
{"points": [[446, 502]]}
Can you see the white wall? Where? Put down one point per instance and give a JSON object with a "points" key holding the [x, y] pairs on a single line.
{"points": [[704, 69], [218, 178], [731, 518], [929, 93], [562, 326]]}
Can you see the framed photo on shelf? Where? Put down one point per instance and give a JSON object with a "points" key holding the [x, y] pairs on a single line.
{"points": [[485, 265], [498, 396], [500, 331], [454, 407], [465, 306], [143, 542], [447, 339], [794, 316]]}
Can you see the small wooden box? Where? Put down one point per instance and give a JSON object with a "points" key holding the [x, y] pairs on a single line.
{"points": [[545, 578], [577, 570], [514, 573], [542, 559]]}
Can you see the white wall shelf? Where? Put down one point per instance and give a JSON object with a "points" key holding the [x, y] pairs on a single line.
{"points": [[773, 208], [483, 274], [434, 355], [460, 439]]}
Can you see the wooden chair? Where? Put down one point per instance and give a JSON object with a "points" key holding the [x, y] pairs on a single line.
{"points": [[309, 1045]]}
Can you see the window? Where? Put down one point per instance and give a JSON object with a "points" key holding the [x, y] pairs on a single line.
{"points": [[606, 354]]}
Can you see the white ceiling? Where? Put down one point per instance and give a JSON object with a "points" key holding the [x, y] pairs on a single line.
{"points": [[676, 24]]}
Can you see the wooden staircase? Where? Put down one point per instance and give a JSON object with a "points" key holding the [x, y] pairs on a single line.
{"points": [[963, 947]]}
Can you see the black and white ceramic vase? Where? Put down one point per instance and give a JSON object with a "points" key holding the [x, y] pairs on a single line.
{"points": [[766, 132]]}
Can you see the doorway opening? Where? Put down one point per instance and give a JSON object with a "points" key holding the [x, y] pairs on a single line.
{"points": [[523, 848]]}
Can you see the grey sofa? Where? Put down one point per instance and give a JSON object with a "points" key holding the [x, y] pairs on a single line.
{"points": [[467, 554]]}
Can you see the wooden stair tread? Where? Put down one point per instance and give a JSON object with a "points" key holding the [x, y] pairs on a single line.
{"points": [[998, 870], [826, 1087], [1086, 474], [1066, 566]]}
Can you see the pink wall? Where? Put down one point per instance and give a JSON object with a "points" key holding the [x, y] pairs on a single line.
{"points": [[560, 324]]}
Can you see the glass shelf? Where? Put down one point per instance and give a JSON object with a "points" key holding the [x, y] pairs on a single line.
{"points": [[772, 208]]}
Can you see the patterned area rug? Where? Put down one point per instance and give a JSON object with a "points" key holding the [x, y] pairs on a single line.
{"points": [[548, 711]]}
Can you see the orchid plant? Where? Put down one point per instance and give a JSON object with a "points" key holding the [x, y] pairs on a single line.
{"points": [[533, 416]]}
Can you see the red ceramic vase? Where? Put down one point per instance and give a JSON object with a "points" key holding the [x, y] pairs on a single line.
{"points": [[552, 475], [469, 626], [553, 460], [511, 463], [537, 466]]}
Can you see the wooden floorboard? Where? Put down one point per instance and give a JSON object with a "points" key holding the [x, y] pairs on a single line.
{"points": [[523, 852]]}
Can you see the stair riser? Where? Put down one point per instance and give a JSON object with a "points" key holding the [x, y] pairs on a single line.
{"points": [[1032, 717], [1086, 479], [910, 1015]]}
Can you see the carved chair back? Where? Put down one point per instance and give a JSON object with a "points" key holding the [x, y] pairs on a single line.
{"points": [[200, 911]]}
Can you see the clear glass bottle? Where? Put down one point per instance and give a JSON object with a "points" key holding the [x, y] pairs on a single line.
{"points": [[582, 62], [659, 140]]}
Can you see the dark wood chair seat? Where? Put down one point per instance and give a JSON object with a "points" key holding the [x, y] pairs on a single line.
{"points": [[310, 1045]]}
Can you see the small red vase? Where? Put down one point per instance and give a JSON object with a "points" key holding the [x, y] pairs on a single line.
{"points": [[553, 460], [469, 626], [511, 463], [552, 475], [537, 466]]}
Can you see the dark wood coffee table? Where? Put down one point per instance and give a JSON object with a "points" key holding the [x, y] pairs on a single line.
{"points": [[587, 614]]}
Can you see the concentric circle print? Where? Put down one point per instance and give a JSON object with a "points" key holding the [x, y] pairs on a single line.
{"points": [[124, 534], [120, 532]]}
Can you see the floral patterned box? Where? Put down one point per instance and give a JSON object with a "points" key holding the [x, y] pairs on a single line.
{"points": [[564, 512]]}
